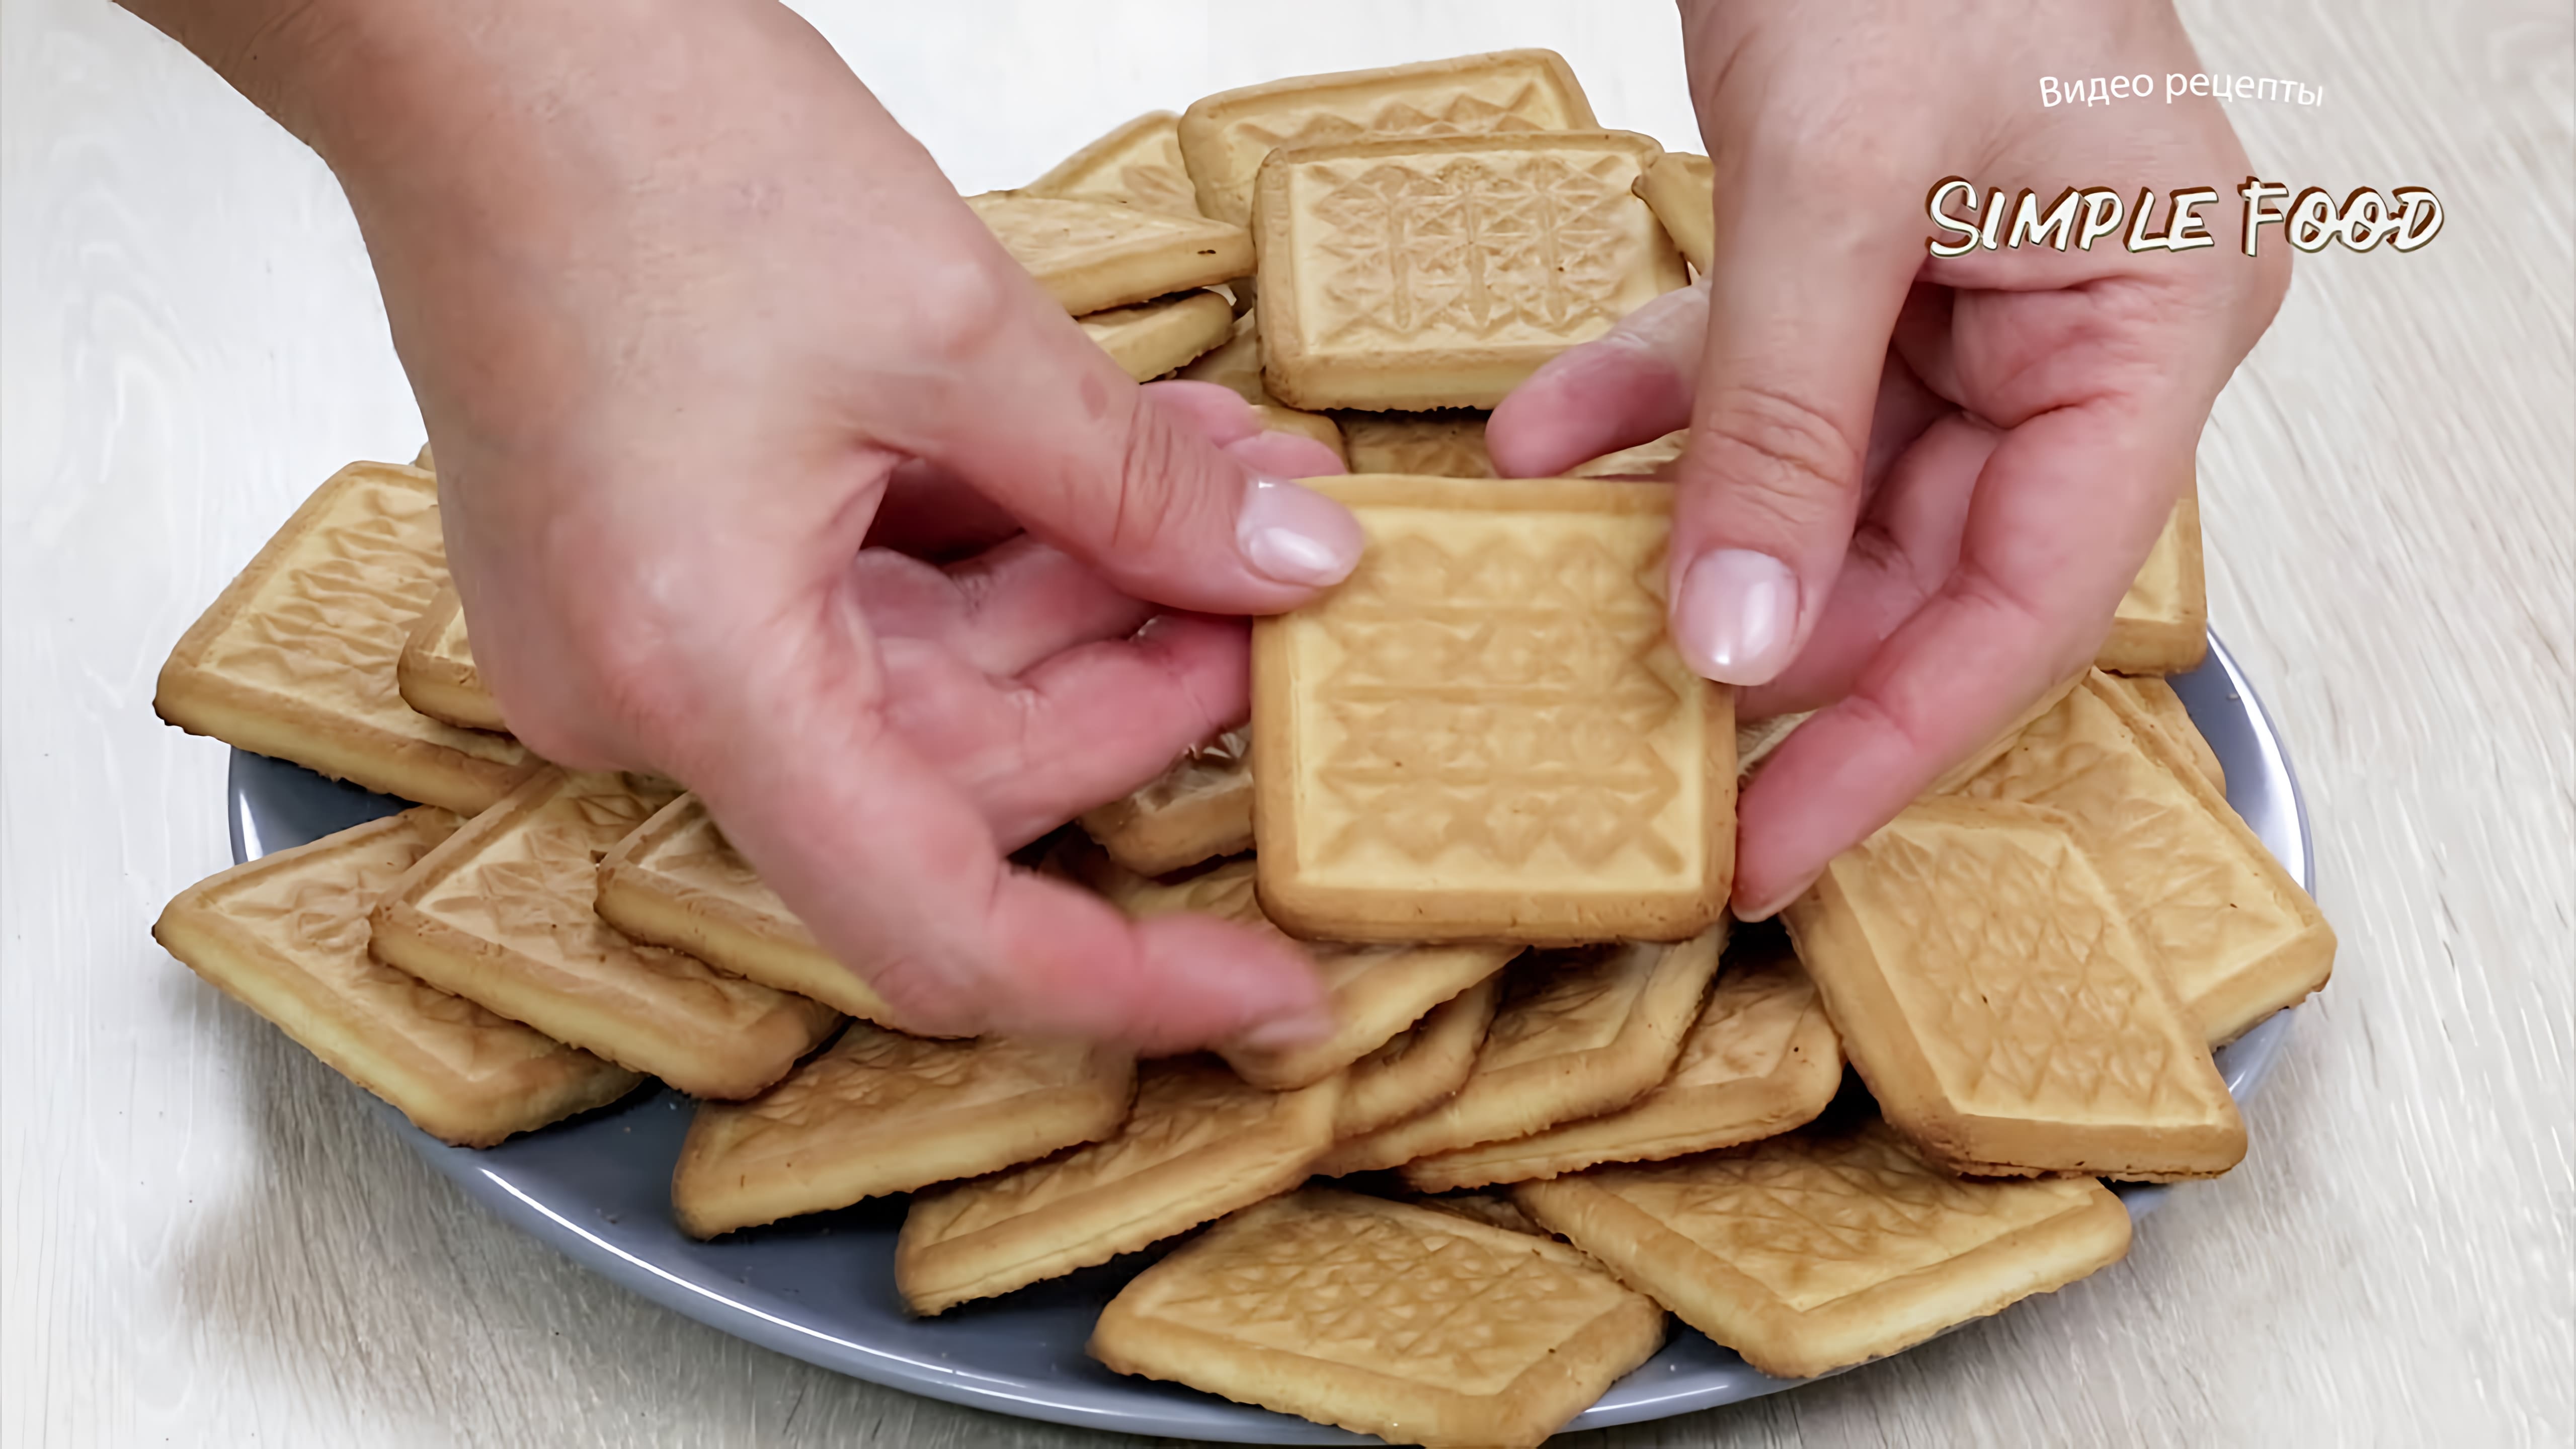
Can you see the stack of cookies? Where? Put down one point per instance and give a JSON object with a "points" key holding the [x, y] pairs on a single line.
{"points": [[1563, 1099]]}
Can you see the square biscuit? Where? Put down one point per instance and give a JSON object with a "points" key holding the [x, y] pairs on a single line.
{"points": [[1153, 338], [1578, 1033], [1420, 1067], [1988, 987], [1225, 137], [436, 673], [1444, 443], [675, 881], [1198, 1144], [1376, 991], [297, 658], [879, 1112], [1418, 1326], [2155, 698], [1400, 275], [2162, 623], [1682, 189], [1234, 363], [286, 935], [503, 913], [1761, 1060], [1484, 732], [1199, 809], [1822, 1249], [2237, 936], [1094, 255], [1137, 164]]}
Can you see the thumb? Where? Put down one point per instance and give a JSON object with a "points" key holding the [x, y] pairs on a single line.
{"points": [[1045, 424], [1804, 295]]}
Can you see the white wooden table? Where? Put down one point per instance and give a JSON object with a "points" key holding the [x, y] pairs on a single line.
{"points": [[208, 1240]]}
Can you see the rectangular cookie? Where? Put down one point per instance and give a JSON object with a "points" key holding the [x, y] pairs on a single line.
{"points": [[1153, 338], [1822, 1249], [879, 1112], [286, 936], [1447, 443], [1761, 1059], [502, 913], [1578, 1033], [2162, 624], [1420, 1067], [2235, 934], [1418, 1326], [675, 881], [2155, 698], [1484, 734], [1376, 991], [296, 659], [1199, 809], [1094, 255], [1988, 987], [1440, 272], [1224, 137], [1234, 363], [1138, 164], [1682, 189], [1199, 1143], [436, 673]]}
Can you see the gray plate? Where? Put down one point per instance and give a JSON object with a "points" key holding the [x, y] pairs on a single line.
{"points": [[822, 1288]]}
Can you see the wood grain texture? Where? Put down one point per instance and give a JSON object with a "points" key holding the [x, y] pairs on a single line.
{"points": [[205, 1238]]}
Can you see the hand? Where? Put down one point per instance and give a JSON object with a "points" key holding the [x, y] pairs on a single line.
{"points": [[684, 309], [1915, 489]]}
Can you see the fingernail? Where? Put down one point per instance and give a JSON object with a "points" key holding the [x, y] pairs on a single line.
{"points": [[1737, 616], [1780, 901], [1296, 535], [1281, 1033]]}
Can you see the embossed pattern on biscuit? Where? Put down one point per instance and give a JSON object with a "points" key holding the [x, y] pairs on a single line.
{"points": [[1199, 1143], [1449, 443], [1420, 1326], [1761, 1059], [505, 913], [1485, 731], [1439, 274], [297, 658], [1225, 137], [1815, 1250], [287, 936], [1138, 164], [2203, 895], [880, 1112], [1988, 986]]}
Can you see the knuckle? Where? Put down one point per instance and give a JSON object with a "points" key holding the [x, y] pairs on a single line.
{"points": [[1775, 454], [1152, 457]]}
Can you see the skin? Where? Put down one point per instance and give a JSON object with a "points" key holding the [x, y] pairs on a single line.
{"points": [[763, 466], [1958, 464]]}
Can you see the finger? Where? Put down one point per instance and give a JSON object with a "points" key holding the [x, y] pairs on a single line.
{"points": [[1088, 725], [1285, 455], [929, 513], [1122, 479], [1904, 547], [2041, 567], [1804, 296], [1219, 413], [998, 612], [897, 873], [1616, 391]]}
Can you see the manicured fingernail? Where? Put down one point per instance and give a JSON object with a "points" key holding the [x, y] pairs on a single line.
{"points": [[1281, 1033], [1780, 901], [1296, 535], [1737, 616]]}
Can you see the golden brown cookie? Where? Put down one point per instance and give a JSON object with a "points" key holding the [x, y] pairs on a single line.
{"points": [[296, 659], [1137, 164], [436, 673], [1094, 255], [2155, 698], [1370, 300], [1420, 1327], [1579, 1033], [502, 913], [1988, 987], [1199, 809], [1448, 443], [2162, 625], [1225, 137], [1818, 1250], [880, 1112], [1761, 1059], [1682, 189], [1152, 338], [1199, 1143], [1484, 733], [1421, 1067], [286, 935]]}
